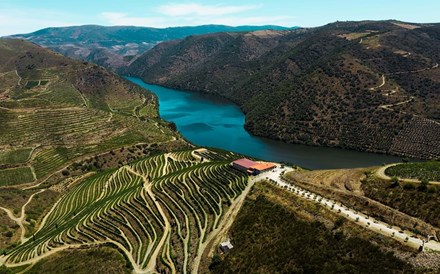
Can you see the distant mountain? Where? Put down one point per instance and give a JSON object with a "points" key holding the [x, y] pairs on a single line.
{"points": [[369, 86], [114, 47]]}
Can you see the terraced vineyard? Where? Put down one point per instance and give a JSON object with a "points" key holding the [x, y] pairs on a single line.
{"points": [[14, 156], [54, 111], [425, 170], [14, 176], [160, 211]]}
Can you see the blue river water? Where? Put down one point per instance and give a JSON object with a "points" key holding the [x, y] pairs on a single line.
{"points": [[208, 120]]}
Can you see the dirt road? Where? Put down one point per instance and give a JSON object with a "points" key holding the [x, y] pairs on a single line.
{"points": [[405, 237]]}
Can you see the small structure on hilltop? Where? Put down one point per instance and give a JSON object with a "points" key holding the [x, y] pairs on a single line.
{"points": [[252, 167], [226, 246]]}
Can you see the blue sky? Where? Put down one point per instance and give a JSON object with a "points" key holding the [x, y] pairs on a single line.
{"points": [[22, 16]]}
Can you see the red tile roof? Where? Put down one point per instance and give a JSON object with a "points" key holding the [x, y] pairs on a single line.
{"points": [[262, 166], [246, 163]]}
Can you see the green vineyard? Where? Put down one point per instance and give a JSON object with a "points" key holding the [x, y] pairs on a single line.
{"points": [[14, 176], [15, 156], [160, 211]]}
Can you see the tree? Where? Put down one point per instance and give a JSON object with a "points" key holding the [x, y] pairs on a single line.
{"points": [[9, 234], [216, 260], [408, 186], [423, 185], [65, 172], [394, 182]]}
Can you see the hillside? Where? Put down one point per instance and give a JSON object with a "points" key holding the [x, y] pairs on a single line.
{"points": [[62, 119], [114, 47], [54, 109], [369, 86], [410, 206], [160, 212], [277, 232]]}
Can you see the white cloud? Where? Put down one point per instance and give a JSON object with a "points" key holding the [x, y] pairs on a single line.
{"points": [[192, 14], [240, 21], [122, 19], [203, 10], [14, 21]]}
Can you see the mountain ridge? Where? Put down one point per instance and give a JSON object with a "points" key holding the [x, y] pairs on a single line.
{"points": [[368, 85], [117, 46]]}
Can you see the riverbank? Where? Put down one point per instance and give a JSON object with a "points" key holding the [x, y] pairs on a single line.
{"points": [[212, 121]]}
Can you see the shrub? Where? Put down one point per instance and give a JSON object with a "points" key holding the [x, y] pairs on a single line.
{"points": [[8, 234], [394, 182], [423, 185], [216, 261], [432, 189], [409, 186]]}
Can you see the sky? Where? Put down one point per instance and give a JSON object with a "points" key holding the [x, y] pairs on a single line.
{"points": [[24, 16]]}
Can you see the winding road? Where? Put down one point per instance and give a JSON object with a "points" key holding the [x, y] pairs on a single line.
{"points": [[220, 233], [391, 92], [20, 220], [381, 174]]}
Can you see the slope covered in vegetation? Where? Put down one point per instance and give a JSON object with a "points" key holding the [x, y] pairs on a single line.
{"points": [[161, 212], [54, 109], [425, 171], [370, 86], [61, 119], [278, 233]]}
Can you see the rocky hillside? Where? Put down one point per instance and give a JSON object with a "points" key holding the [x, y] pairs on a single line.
{"points": [[113, 47], [370, 86]]}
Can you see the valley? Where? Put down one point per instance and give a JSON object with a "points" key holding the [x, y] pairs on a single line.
{"points": [[224, 128], [325, 87], [140, 178]]}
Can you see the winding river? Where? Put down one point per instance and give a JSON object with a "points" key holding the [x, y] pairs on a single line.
{"points": [[208, 120]]}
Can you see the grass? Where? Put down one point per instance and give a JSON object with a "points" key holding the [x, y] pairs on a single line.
{"points": [[13, 199], [16, 176], [355, 35], [17, 156], [427, 170], [268, 237], [9, 231]]}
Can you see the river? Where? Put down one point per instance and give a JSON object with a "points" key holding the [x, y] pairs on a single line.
{"points": [[208, 120]]}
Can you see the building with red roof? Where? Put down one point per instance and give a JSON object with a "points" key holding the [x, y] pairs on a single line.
{"points": [[252, 167], [261, 167], [243, 164]]}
